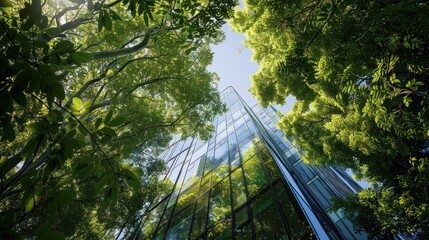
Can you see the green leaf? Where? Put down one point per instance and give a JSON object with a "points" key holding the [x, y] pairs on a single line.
{"points": [[107, 21], [19, 97], [100, 21], [81, 57], [34, 127], [141, 9], [52, 117], [52, 32], [107, 200], [115, 16], [108, 117], [138, 172], [84, 171], [64, 197], [126, 151], [9, 132], [31, 203], [58, 90], [77, 102], [146, 19], [102, 183], [63, 182], [87, 104], [6, 101], [6, 3], [23, 78], [98, 122], [117, 121], [3, 161], [115, 194], [108, 131], [133, 183], [52, 208], [51, 235], [64, 46]]}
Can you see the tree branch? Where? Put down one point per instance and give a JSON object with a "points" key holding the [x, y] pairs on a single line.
{"points": [[126, 51]]}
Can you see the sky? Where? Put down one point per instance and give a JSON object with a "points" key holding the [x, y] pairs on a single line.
{"points": [[232, 62]]}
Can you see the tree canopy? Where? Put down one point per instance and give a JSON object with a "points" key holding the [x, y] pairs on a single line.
{"points": [[90, 92], [359, 72]]}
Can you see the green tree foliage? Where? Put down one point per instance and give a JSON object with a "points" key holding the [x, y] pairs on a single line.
{"points": [[359, 72], [89, 92]]}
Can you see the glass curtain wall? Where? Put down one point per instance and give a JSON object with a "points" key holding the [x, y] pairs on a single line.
{"points": [[232, 187]]}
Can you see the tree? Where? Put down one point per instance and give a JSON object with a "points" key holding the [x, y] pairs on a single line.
{"points": [[90, 92], [359, 72]]}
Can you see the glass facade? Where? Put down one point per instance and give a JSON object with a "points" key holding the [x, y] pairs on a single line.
{"points": [[246, 182]]}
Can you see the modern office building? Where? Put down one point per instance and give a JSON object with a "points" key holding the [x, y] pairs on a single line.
{"points": [[246, 182]]}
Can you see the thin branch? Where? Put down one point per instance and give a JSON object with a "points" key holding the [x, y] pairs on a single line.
{"points": [[126, 51]]}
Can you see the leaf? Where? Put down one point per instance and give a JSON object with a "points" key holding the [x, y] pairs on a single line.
{"points": [[115, 16], [107, 200], [9, 132], [31, 203], [100, 21], [107, 21], [64, 46], [52, 32], [34, 127], [64, 197], [63, 182], [6, 101], [117, 121], [108, 117], [58, 90], [81, 57], [87, 104], [108, 131], [141, 9], [23, 78], [102, 183], [3, 161], [77, 102], [6, 3], [30, 147], [130, 176], [52, 117], [138, 172], [52, 208], [98, 122], [115, 194], [51, 235], [84, 171], [146, 20], [133, 183]]}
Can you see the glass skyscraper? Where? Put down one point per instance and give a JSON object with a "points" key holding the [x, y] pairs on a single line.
{"points": [[246, 182]]}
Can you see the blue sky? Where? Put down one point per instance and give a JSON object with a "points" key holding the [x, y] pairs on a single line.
{"points": [[233, 63], [234, 68]]}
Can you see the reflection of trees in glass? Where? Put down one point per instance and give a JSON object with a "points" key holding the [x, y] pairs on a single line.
{"points": [[153, 218], [200, 216], [220, 204], [267, 220], [221, 231], [195, 206], [296, 221], [179, 226], [255, 175], [238, 190]]}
